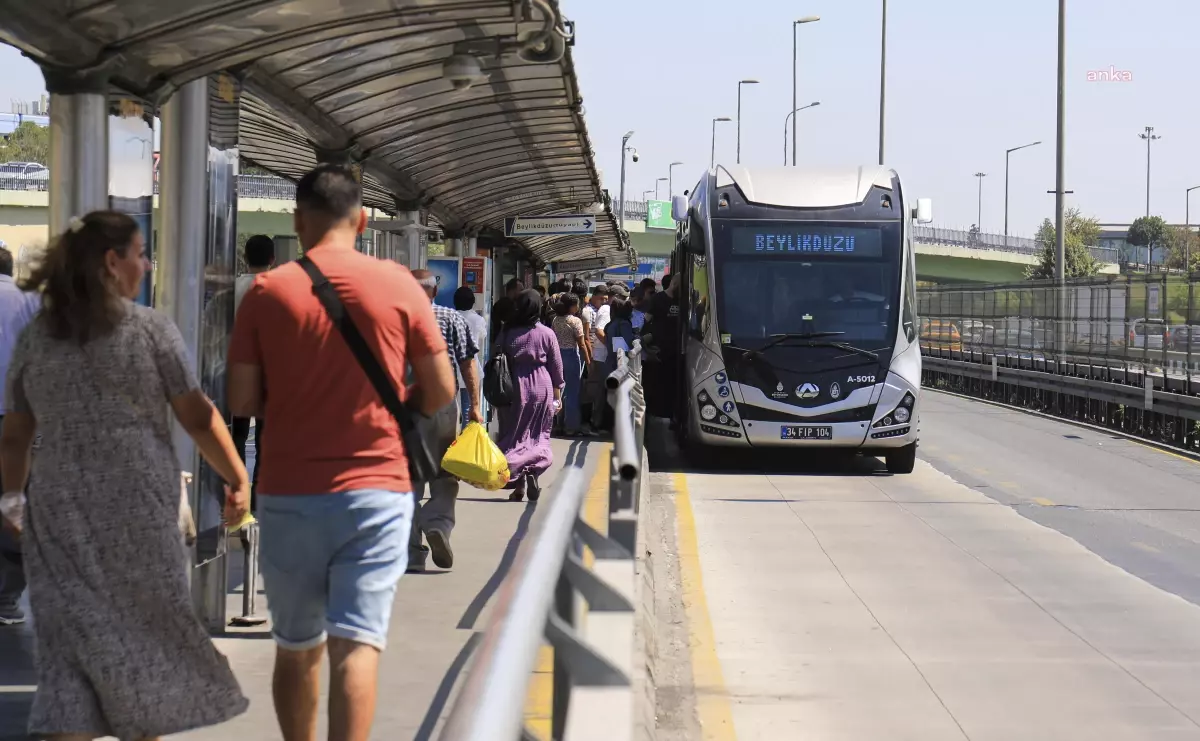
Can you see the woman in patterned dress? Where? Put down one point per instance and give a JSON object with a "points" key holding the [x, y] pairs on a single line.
{"points": [[119, 649], [537, 370]]}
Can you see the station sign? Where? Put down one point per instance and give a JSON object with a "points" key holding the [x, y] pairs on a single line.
{"points": [[545, 226], [580, 266]]}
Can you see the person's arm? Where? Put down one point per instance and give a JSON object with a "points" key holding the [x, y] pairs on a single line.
{"points": [[205, 425], [244, 391], [199, 418], [555, 366], [585, 347], [16, 442], [470, 373], [434, 382]]}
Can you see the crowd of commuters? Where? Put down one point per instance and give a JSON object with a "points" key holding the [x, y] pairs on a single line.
{"points": [[97, 379]]}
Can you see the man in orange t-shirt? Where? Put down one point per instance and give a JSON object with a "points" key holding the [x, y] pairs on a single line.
{"points": [[335, 502]]}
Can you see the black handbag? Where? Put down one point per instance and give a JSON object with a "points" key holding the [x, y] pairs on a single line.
{"points": [[498, 386], [421, 464]]}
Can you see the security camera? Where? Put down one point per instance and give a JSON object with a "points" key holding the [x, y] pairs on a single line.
{"points": [[462, 70], [635, 155]]}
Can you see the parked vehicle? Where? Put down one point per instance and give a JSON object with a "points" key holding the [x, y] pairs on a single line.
{"points": [[1149, 334], [1179, 338]]}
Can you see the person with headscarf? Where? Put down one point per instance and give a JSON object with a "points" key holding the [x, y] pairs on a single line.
{"points": [[537, 370]]}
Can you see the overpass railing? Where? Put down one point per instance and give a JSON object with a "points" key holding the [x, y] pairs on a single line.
{"points": [[585, 612], [1119, 351], [998, 242], [248, 186]]}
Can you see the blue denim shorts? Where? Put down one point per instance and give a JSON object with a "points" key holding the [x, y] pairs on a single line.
{"points": [[331, 563]]}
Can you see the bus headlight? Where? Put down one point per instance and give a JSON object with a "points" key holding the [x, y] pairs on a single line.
{"points": [[708, 412], [901, 414]]}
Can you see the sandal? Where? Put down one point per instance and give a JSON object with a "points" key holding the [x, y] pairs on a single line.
{"points": [[532, 487], [518, 492]]}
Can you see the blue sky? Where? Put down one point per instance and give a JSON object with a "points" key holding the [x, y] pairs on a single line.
{"points": [[966, 80]]}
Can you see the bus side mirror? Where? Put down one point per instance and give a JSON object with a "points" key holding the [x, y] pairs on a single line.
{"points": [[923, 213], [679, 208]]}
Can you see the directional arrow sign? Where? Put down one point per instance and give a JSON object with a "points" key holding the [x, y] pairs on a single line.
{"points": [[542, 226]]}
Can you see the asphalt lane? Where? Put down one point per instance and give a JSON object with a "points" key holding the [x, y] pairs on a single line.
{"points": [[1133, 505]]}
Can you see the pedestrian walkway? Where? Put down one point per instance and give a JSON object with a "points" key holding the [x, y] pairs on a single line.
{"points": [[437, 622]]}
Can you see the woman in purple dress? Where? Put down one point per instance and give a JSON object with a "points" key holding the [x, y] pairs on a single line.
{"points": [[537, 371]]}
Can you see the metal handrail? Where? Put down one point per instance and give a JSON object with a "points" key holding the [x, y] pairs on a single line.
{"points": [[538, 601]]}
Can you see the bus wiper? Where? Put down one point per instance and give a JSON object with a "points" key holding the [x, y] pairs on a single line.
{"points": [[845, 346], [777, 339]]}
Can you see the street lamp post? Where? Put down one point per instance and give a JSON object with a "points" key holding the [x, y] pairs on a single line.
{"points": [[1149, 136], [624, 151], [739, 117], [979, 216], [1187, 231], [671, 179], [656, 182], [646, 195], [785, 124], [882, 76], [712, 160], [1007, 152], [1060, 243], [795, 25]]}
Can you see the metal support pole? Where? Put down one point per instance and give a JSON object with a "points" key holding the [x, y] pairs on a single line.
{"points": [[471, 248], [712, 158], [248, 618], [78, 156], [1006, 154], [624, 150], [1060, 250], [795, 27], [882, 78]]}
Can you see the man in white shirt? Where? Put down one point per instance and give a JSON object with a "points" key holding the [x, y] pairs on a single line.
{"points": [[595, 317], [17, 309], [260, 257]]}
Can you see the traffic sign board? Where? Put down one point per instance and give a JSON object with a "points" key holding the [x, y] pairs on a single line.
{"points": [[543, 226]]}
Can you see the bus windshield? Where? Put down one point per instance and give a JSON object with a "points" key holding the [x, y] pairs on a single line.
{"points": [[794, 277]]}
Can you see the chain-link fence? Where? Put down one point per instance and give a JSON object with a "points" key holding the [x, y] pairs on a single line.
{"points": [[1141, 323]]}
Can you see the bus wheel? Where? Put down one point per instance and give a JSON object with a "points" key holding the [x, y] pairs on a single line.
{"points": [[902, 460]]}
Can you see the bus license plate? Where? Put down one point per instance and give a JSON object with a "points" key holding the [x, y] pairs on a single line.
{"points": [[805, 432]]}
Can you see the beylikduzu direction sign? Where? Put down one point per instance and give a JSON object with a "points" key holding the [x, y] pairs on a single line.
{"points": [[542, 226]]}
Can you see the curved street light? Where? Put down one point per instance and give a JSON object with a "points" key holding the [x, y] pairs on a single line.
{"points": [[671, 179], [712, 160], [795, 25], [785, 124], [739, 117], [624, 150]]}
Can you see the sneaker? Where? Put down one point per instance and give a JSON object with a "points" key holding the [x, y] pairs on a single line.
{"points": [[439, 548], [11, 615]]}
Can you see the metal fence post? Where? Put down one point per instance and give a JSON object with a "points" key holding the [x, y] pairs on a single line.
{"points": [[249, 537]]}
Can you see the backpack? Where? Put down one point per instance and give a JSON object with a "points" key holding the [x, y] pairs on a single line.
{"points": [[498, 386]]}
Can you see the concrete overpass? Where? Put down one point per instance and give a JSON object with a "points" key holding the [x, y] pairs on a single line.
{"points": [[943, 255]]}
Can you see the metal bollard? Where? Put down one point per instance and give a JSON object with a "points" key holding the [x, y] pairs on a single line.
{"points": [[249, 538]]}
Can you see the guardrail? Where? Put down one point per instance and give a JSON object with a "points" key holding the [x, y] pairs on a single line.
{"points": [[544, 596], [997, 242], [248, 186]]}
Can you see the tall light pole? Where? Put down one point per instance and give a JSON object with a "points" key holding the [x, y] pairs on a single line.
{"points": [[671, 179], [1187, 232], [1006, 153], [739, 117], [882, 76], [712, 160], [1149, 136], [646, 195], [979, 217], [624, 150], [785, 123], [795, 24], [656, 182], [1060, 244]]}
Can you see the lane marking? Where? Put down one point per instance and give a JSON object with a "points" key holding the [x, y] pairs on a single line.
{"points": [[1044, 502], [1144, 546], [712, 699], [539, 698], [1157, 449]]}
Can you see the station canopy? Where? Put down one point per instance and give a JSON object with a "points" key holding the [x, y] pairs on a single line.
{"points": [[371, 79]]}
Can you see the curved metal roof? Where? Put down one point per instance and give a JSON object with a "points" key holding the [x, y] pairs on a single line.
{"points": [[364, 77]]}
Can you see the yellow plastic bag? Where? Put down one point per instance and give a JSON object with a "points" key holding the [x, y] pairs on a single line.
{"points": [[474, 458]]}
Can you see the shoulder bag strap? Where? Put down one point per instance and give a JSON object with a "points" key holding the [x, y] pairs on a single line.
{"points": [[329, 298]]}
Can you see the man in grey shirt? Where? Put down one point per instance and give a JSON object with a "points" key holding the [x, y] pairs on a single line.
{"points": [[17, 308]]}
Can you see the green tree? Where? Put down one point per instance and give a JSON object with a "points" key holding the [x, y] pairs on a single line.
{"points": [[1082, 232], [1148, 231], [28, 142], [1181, 242]]}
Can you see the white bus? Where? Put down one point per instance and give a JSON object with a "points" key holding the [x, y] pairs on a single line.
{"points": [[798, 311]]}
